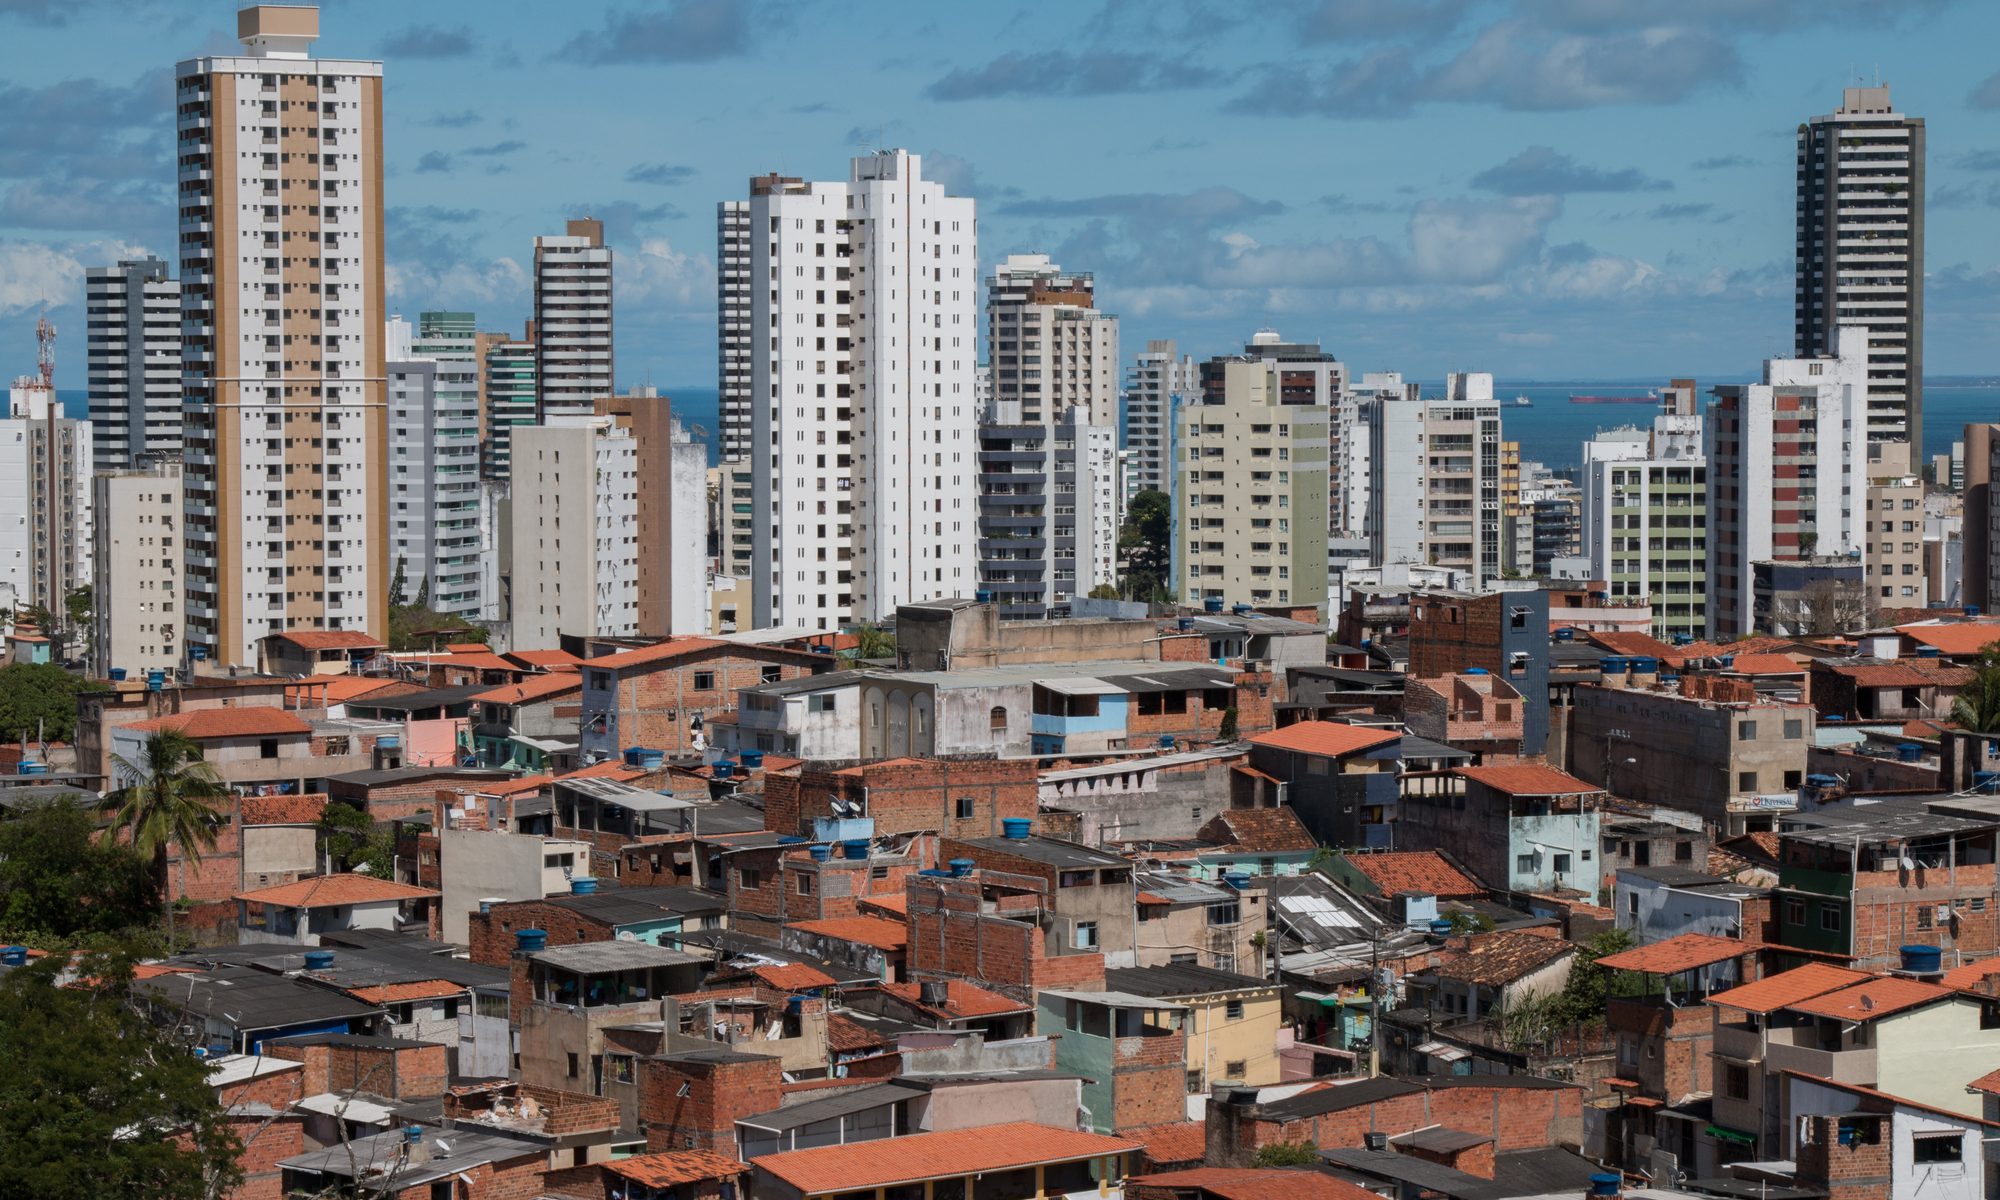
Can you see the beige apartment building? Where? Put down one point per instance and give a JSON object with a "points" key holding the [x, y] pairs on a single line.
{"points": [[1893, 529], [136, 586], [1250, 501], [280, 174]]}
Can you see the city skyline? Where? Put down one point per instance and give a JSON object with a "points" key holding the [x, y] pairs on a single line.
{"points": [[1571, 191]]}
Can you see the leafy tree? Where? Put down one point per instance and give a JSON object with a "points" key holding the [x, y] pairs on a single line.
{"points": [[95, 1101], [355, 841], [1228, 731], [79, 605], [1582, 999], [414, 627], [397, 584], [424, 592], [1286, 1154], [40, 695], [61, 883], [1977, 705], [1146, 544], [872, 641], [1104, 591], [177, 798]]}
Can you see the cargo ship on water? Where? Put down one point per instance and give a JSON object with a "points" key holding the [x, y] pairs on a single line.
{"points": [[1652, 397]]}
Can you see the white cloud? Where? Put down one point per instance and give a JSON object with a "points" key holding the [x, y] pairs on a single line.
{"points": [[34, 273], [499, 281], [1474, 241], [659, 275]]}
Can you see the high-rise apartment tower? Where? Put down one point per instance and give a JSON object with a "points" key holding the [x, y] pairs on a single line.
{"points": [[134, 362]]}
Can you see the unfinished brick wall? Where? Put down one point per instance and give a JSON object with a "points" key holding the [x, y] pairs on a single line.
{"points": [[719, 1090], [907, 795], [395, 1072], [490, 935], [1516, 1118], [265, 1142], [1681, 1041], [1892, 909], [1860, 1171], [951, 937], [654, 703], [1148, 1081]]}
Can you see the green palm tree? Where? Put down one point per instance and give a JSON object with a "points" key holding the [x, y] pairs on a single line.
{"points": [[1977, 706], [175, 797]]}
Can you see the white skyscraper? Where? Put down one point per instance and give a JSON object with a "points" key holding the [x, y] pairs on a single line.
{"points": [[46, 538], [434, 462], [1645, 518], [1160, 380], [1434, 471], [280, 166], [865, 319], [732, 325], [573, 334], [134, 340], [1860, 250], [1049, 497], [575, 505]]}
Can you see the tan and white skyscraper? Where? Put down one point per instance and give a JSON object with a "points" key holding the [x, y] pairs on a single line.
{"points": [[280, 170]]}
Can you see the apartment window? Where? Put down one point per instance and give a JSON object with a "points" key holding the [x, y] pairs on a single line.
{"points": [[1746, 731], [1795, 911], [1084, 936], [1193, 1081], [600, 681], [267, 748], [1746, 781], [771, 674], [1233, 1011], [805, 885], [964, 808], [1736, 1081], [820, 703], [1562, 864], [1930, 1149], [572, 1064], [1233, 1069], [704, 681], [1794, 730], [1830, 919], [750, 878], [1683, 851], [996, 719], [1524, 864]]}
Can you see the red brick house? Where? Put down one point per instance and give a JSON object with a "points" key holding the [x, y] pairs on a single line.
{"points": [[662, 696]]}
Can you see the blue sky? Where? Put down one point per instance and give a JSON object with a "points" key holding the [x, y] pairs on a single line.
{"points": [[1542, 188]]}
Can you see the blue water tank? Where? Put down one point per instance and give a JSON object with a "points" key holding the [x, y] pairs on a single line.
{"points": [[1987, 782], [855, 848], [724, 768], [1605, 1183], [1166, 741], [751, 759], [961, 867], [583, 885], [649, 759], [1927, 652], [1440, 927], [1922, 960], [118, 674], [1909, 752], [1016, 828], [319, 960], [1565, 634], [413, 1134], [1643, 665], [983, 596], [1184, 624], [13, 956], [530, 941], [31, 766], [1212, 604], [1972, 610], [1611, 665], [1237, 879], [156, 679], [1475, 670], [820, 852], [1240, 609]]}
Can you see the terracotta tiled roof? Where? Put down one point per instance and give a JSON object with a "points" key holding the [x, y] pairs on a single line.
{"points": [[660, 652], [1260, 830], [961, 1000], [675, 1167], [889, 902], [1527, 779], [1501, 957], [1764, 664], [1759, 846], [886, 1162], [1415, 871], [879, 932], [329, 891], [1985, 1083], [792, 977], [1186, 1141], [1641, 644], [1755, 645], [1927, 728], [1877, 997], [1958, 638], [480, 659], [1971, 975], [338, 689], [1253, 1183], [539, 687], [1329, 738], [548, 660], [1783, 990], [1906, 673], [845, 1035], [518, 787], [235, 721], [1676, 954], [397, 993], [330, 639], [283, 810], [608, 769]]}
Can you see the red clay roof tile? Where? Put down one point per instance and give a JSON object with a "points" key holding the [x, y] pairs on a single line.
{"points": [[1676, 954], [1787, 988], [1329, 738], [1415, 871], [1528, 779], [887, 1162], [329, 891]]}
